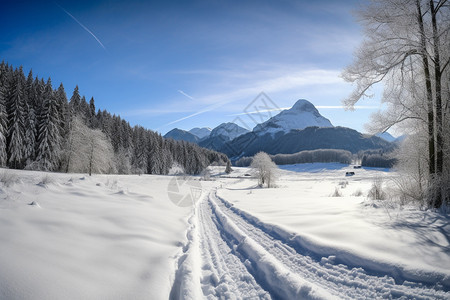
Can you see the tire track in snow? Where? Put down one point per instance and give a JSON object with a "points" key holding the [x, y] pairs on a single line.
{"points": [[224, 276], [339, 280]]}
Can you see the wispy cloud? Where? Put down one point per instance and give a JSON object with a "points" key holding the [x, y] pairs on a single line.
{"points": [[258, 111], [184, 94], [237, 86], [343, 107], [81, 24]]}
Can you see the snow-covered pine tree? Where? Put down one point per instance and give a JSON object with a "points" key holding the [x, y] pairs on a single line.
{"points": [[16, 129], [75, 100], [92, 119], [63, 107], [49, 142], [139, 157], [30, 121], [3, 117]]}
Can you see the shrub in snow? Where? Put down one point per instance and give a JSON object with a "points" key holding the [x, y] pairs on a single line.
{"points": [[46, 179], [206, 175], [8, 178], [376, 192], [176, 169], [357, 193], [343, 184], [228, 168], [337, 192], [265, 169]]}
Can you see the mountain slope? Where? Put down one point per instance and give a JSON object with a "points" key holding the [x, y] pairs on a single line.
{"points": [[228, 131], [303, 114], [201, 132], [310, 138], [222, 134], [181, 135]]}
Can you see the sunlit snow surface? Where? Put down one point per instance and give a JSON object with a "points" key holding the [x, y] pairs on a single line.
{"points": [[99, 237], [121, 237]]}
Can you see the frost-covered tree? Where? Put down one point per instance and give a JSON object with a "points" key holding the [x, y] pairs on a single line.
{"points": [[228, 169], [90, 151], [123, 164], [265, 169], [407, 48]]}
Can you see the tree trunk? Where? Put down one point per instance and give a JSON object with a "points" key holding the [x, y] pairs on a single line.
{"points": [[430, 104], [438, 95]]}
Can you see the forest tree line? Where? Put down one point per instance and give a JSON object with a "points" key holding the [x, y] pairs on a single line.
{"points": [[41, 129], [306, 156]]}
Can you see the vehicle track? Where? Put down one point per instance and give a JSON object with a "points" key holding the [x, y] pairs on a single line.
{"points": [[230, 241]]}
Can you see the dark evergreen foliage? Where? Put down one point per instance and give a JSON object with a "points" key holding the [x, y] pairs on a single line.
{"points": [[35, 131]]}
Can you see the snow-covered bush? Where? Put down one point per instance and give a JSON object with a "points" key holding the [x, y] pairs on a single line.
{"points": [[228, 168], [8, 178], [176, 169], [337, 192], [46, 179], [376, 192], [357, 193]]}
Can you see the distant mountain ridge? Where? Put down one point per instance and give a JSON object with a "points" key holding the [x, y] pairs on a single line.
{"points": [[222, 134], [299, 128], [310, 138], [182, 135], [201, 133]]}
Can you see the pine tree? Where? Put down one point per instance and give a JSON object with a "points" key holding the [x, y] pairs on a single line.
{"points": [[2, 127], [16, 129], [30, 121], [75, 101], [49, 132]]}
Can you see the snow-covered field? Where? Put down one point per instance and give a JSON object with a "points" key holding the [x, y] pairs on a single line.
{"points": [[122, 237], [99, 237]]}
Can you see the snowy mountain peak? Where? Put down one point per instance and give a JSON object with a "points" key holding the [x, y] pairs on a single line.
{"points": [[228, 130], [303, 105], [303, 114]]}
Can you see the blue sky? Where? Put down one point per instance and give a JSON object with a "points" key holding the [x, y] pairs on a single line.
{"points": [[185, 64]]}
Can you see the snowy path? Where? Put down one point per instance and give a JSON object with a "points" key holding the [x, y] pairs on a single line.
{"points": [[243, 259]]}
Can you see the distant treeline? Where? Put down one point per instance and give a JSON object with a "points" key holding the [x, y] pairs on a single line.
{"points": [[376, 159], [41, 129], [307, 156]]}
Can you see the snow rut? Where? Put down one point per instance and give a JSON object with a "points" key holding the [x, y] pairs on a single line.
{"points": [[288, 274], [223, 274]]}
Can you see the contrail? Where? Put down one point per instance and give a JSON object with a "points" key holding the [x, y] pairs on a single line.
{"points": [[318, 106], [184, 94], [258, 111], [84, 27]]}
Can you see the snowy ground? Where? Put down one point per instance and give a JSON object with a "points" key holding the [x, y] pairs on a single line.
{"points": [[99, 237], [122, 237]]}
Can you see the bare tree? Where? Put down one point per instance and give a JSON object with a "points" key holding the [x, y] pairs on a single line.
{"points": [[265, 168], [406, 48]]}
